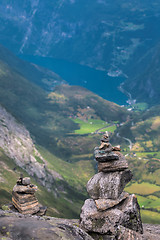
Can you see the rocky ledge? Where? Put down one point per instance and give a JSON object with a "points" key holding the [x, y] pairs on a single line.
{"points": [[16, 226]]}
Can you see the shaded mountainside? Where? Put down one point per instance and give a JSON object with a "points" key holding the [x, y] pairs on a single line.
{"points": [[19, 154], [36, 74], [120, 31], [145, 86], [120, 39]]}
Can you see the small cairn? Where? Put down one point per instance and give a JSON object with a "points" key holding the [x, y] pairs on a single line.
{"points": [[110, 211], [23, 196]]}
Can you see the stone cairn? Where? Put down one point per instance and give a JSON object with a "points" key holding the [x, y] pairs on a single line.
{"points": [[110, 211], [23, 196]]}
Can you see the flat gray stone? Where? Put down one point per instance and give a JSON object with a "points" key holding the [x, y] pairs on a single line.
{"points": [[25, 189], [103, 156], [104, 204], [108, 185], [114, 165]]}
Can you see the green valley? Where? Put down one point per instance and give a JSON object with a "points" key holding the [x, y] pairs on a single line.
{"points": [[65, 125]]}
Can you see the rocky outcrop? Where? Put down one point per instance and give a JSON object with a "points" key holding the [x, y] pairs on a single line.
{"points": [[111, 212], [19, 227], [16, 142], [15, 226]]}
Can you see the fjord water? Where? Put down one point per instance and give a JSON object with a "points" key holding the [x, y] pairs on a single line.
{"points": [[75, 74]]}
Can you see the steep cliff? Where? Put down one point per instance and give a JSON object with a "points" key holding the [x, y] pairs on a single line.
{"points": [[17, 144]]}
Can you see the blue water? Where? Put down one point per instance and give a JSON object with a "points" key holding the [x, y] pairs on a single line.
{"points": [[75, 74]]}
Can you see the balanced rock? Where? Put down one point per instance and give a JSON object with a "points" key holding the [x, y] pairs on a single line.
{"points": [[26, 181], [111, 213], [131, 214], [104, 204], [108, 185], [25, 204], [23, 196], [114, 165], [125, 214], [25, 189], [116, 148], [102, 156], [92, 220]]}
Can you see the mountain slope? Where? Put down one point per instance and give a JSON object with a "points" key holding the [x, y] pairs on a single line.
{"points": [[119, 38], [50, 113], [57, 122], [36, 74], [145, 86], [49, 150], [19, 154], [60, 30]]}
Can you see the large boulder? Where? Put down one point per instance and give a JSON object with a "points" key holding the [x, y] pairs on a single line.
{"points": [[131, 214], [125, 214], [19, 227], [92, 220], [108, 185]]}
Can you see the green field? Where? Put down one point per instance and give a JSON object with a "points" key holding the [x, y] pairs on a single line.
{"points": [[92, 125], [143, 188], [140, 106], [149, 202], [150, 217], [148, 154]]}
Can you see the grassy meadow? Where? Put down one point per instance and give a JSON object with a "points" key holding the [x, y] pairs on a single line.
{"points": [[91, 126]]}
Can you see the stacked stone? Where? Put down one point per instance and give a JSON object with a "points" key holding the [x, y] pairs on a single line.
{"points": [[110, 208], [23, 196]]}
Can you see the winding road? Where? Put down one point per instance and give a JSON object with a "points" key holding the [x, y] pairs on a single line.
{"points": [[97, 131], [128, 140]]}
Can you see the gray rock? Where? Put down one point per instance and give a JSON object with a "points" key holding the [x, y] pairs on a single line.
{"points": [[128, 234], [151, 231], [108, 185], [126, 214], [106, 146], [103, 156], [25, 189], [122, 234], [19, 227], [114, 165], [92, 220], [131, 214], [104, 204], [26, 181]]}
